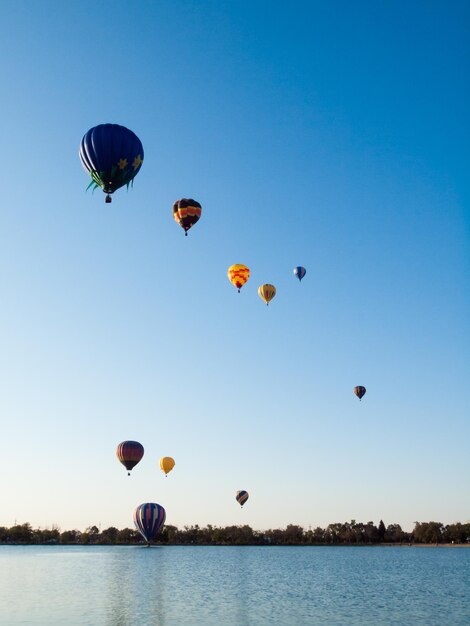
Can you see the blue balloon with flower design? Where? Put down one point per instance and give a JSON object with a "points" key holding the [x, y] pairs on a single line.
{"points": [[112, 155]]}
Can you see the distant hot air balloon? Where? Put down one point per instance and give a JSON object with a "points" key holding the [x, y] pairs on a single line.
{"points": [[112, 155], [238, 274], [242, 497], [267, 292], [300, 272], [186, 213], [149, 518], [167, 464], [359, 391], [129, 454]]}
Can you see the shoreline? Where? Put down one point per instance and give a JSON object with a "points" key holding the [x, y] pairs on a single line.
{"points": [[249, 545]]}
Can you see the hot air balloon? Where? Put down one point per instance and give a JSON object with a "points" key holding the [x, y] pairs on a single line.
{"points": [[167, 464], [186, 213], [112, 155], [129, 454], [300, 272], [267, 292], [238, 275], [242, 497], [149, 518], [359, 391]]}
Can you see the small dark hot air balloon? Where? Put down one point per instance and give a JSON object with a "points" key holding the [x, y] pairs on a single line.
{"points": [[186, 213], [359, 391], [112, 155], [129, 454], [242, 497], [300, 272], [149, 518]]}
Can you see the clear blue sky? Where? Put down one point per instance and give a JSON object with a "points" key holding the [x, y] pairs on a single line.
{"points": [[328, 134]]}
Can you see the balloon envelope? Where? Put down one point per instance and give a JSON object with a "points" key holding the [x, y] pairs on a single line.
{"points": [[267, 292], [300, 272], [149, 518], [167, 464], [238, 274], [359, 391], [130, 453], [186, 213], [242, 497], [112, 155]]}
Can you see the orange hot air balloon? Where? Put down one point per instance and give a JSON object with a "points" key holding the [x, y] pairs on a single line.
{"points": [[238, 274], [360, 391], [167, 464], [186, 213], [129, 454], [267, 292]]}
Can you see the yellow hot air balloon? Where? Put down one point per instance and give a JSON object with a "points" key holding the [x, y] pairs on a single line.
{"points": [[167, 464], [267, 292], [238, 275]]}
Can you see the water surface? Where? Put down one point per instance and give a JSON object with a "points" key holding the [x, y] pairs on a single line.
{"points": [[234, 586]]}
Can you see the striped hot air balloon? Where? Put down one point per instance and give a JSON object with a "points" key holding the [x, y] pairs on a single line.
{"points": [[129, 454], [300, 272], [359, 391], [186, 213], [238, 274], [149, 518], [242, 497], [267, 292]]}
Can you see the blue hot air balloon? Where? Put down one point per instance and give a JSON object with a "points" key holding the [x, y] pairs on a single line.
{"points": [[300, 272], [241, 497], [149, 518], [112, 155]]}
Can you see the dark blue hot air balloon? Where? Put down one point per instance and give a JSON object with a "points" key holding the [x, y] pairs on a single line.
{"points": [[300, 272], [112, 155], [149, 518], [241, 497]]}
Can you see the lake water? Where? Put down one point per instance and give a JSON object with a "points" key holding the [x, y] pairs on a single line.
{"points": [[234, 586]]}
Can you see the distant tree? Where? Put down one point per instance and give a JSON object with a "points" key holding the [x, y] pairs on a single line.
{"points": [[109, 536], [20, 533], [394, 534], [293, 535], [70, 536], [91, 535], [381, 531], [457, 533], [46, 535], [371, 533], [428, 532], [128, 535], [318, 535]]}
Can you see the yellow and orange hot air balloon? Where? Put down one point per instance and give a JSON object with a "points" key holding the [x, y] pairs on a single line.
{"points": [[167, 464], [267, 292], [238, 274], [186, 213]]}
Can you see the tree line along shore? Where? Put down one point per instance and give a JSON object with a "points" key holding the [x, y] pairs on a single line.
{"points": [[347, 533]]}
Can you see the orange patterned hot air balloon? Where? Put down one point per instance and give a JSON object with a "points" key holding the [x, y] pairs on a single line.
{"points": [[238, 275], [186, 213], [267, 292]]}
